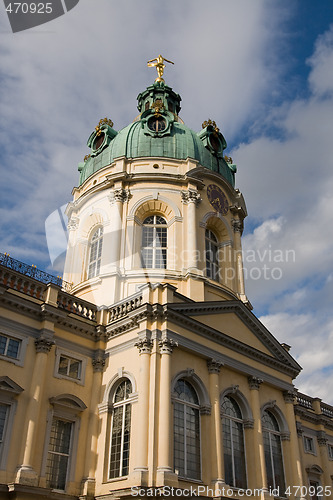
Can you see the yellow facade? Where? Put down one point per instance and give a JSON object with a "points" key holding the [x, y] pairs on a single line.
{"points": [[144, 378]]}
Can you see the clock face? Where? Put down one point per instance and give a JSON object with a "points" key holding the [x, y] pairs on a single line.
{"points": [[217, 199], [157, 124]]}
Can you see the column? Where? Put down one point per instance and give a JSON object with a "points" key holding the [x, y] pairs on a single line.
{"points": [[259, 480], [192, 198], [25, 473], [165, 473], [88, 482], [292, 445], [217, 457], [145, 346]]}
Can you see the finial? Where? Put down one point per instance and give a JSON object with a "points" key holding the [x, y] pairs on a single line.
{"points": [[158, 63]]}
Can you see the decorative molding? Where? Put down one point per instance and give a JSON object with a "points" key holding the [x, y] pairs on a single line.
{"points": [[43, 345], [190, 196], [285, 436], [254, 382], [214, 366], [166, 345]]}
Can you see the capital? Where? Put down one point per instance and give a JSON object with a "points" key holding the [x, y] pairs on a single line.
{"points": [[214, 366], [73, 223], [191, 196], [237, 226], [254, 382], [289, 396], [166, 345], [322, 438], [119, 194], [98, 363], [43, 345], [144, 345]]}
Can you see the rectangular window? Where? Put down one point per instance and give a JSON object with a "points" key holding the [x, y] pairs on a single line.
{"points": [[330, 451], [9, 346], [308, 445], [69, 367], [58, 455]]}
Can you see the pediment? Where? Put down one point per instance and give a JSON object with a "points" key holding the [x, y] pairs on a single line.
{"points": [[233, 325], [8, 386]]}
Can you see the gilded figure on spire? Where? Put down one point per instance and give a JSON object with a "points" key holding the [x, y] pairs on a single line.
{"points": [[158, 63]]}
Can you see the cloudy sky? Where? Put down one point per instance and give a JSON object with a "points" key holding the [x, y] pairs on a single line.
{"points": [[262, 69]]}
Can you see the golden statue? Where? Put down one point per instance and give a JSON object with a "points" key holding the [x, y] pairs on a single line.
{"points": [[158, 63]]}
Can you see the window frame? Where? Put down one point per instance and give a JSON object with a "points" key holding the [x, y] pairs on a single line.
{"points": [[9, 391], [241, 421], [66, 407], [212, 267], [69, 454], [96, 262], [309, 439], [197, 407], [154, 247], [114, 405], [22, 339], [60, 352], [278, 433]]}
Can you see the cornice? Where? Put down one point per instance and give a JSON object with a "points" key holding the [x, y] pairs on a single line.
{"points": [[314, 418]]}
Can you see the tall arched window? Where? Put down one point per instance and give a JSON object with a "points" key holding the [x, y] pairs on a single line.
{"points": [[273, 451], [186, 431], [212, 246], [154, 242], [95, 255], [120, 431], [233, 443]]}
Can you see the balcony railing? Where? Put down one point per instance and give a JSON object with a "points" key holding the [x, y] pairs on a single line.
{"points": [[307, 402], [33, 272]]}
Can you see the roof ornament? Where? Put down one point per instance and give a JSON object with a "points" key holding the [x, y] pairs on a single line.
{"points": [[103, 121], [212, 123], [158, 63]]}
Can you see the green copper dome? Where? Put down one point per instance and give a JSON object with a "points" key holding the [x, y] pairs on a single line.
{"points": [[157, 132]]}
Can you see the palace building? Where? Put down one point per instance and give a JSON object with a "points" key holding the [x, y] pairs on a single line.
{"points": [[145, 368]]}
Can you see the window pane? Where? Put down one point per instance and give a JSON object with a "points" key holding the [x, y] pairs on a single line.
{"points": [[12, 348], [3, 342], [3, 415], [95, 253], [63, 365], [74, 369]]}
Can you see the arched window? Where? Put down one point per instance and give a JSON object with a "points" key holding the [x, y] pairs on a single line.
{"points": [[273, 451], [186, 430], [233, 443], [212, 246], [120, 431], [154, 242], [95, 255]]}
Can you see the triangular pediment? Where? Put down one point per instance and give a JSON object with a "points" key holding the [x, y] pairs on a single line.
{"points": [[8, 386], [234, 326]]}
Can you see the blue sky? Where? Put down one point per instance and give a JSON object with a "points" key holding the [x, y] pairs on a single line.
{"points": [[262, 69]]}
